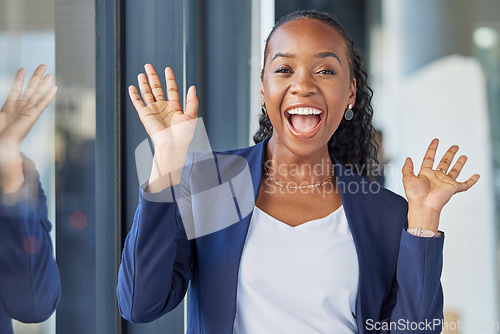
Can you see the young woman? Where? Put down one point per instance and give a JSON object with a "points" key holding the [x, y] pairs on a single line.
{"points": [[323, 250]]}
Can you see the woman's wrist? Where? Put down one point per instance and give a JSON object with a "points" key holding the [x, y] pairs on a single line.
{"points": [[423, 217], [167, 168], [11, 171]]}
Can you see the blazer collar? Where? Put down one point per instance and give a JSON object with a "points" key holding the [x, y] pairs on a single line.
{"points": [[256, 167]]}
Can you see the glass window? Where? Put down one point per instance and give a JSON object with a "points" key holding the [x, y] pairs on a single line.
{"points": [[27, 39], [60, 34]]}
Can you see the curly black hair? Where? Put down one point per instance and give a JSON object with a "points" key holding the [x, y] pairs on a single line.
{"points": [[353, 143]]}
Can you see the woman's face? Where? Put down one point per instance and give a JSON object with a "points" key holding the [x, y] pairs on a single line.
{"points": [[306, 84]]}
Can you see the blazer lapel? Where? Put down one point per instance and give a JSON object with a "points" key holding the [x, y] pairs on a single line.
{"points": [[345, 183], [240, 230], [220, 253]]}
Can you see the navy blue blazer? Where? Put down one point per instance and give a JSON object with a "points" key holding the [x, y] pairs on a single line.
{"points": [[399, 274], [30, 286]]}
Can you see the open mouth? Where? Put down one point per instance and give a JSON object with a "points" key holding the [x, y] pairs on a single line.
{"points": [[304, 121]]}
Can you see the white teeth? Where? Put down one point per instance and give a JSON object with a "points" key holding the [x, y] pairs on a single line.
{"points": [[304, 111]]}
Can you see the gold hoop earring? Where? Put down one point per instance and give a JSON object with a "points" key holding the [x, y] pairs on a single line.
{"points": [[349, 114]]}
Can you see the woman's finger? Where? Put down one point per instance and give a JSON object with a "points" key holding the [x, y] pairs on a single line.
{"points": [[428, 161], [15, 91], [154, 82], [41, 90], [463, 186], [457, 168], [146, 93], [46, 99], [447, 159], [34, 82], [407, 170], [135, 98], [172, 91], [192, 103]]}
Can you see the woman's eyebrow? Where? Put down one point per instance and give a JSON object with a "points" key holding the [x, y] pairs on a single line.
{"points": [[319, 55], [328, 54], [283, 54]]}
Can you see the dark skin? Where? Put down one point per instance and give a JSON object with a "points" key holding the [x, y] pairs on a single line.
{"points": [[296, 207], [312, 72]]}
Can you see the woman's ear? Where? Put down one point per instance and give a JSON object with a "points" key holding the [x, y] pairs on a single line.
{"points": [[352, 92]]}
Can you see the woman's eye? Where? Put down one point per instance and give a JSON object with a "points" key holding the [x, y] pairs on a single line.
{"points": [[283, 70], [326, 72]]}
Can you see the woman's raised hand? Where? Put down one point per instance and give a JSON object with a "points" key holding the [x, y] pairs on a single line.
{"points": [[170, 129], [17, 117], [164, 119], [431, 189], [19, 113]]}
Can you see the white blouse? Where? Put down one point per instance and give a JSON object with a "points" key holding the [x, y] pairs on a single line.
{"points": [[300, 279]]}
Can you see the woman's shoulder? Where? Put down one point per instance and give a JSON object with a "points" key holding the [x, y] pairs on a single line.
{"points": [[253, 151], [251, 154], [209, 168]]}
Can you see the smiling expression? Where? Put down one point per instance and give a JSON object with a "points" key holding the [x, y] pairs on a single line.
{"points": [[306, 84]]}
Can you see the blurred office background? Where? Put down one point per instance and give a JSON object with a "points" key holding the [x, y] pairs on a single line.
{"points": [[434, 66]]}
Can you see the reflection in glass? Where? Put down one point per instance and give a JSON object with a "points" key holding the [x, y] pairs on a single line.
{"points": [[75, 165], [61, 144], [27, 39]]}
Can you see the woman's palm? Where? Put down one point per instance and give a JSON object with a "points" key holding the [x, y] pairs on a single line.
{"points": [[19, 114], [164, 120], [433, 188]]}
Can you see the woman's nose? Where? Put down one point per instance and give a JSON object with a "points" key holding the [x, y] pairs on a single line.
{"points": [[303, 85]]}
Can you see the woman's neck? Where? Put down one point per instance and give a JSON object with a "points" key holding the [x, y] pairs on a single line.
{"points": [[287, 166]]}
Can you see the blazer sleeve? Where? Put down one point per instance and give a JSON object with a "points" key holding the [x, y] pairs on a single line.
{"points": [[30, 286], [156, 261], [416, 303]]}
